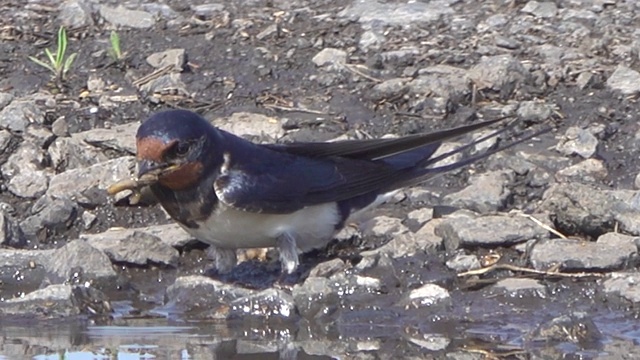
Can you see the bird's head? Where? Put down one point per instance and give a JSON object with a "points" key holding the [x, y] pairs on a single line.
{"points": [[175, 146]]}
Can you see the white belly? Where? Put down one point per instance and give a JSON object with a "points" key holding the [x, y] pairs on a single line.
{"points": [[312, 227]]}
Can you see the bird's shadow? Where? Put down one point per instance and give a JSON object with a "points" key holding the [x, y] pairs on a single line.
{"points": [[261, 275]]}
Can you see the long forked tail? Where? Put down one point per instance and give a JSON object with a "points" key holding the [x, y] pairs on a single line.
{"points": [[426, 171], [413, 148]]}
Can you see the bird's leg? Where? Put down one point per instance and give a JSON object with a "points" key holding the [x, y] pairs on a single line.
{"points": [[225, 259], [288, 252]]}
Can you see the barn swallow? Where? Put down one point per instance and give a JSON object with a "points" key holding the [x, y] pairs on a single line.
{"points": [[232, 193]]}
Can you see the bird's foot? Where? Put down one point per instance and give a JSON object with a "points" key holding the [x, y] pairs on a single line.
{"points": [[224, 259], [288, 253], [289, 261]]}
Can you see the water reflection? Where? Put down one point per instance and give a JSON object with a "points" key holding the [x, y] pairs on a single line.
{"points": [[144, 339], [163, 339]]}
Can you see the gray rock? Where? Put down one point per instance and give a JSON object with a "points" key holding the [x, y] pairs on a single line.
{"points": [[171, 234], [121, 16], [78, 262], [75, 14], [585, 209], [330, 56], [383, 226], [462, 231], [202, 297], [28, 183], [316, 299], [636, 182], [391, 88], [88, 219], [541, 9], [5, 139], [96, 84], [371, 40], [554, 55], [355, 286], [623, 79], [610, 252], [10, 232], [267, 305], [408, 244], [577, 141], [430, 342], [400, 14], [487, 192], [26, 156], [120, 137], [624, 284], [8, 209], [445, 148], [618, 239], [589, 170], [584, 80], [403, 55], [507, 42], [400, 246], [518, 164], [71, 153], [24, 258], [5, 99], [418, 217], [23, 269], [163, 11], [579, 15], [518, 287], [137, 248], [19, 114], [426, 239], [244, 123], [49, 216], [328, 268], [422, 195], [39, 136], [25, 171], [495, 21], [463, 262], [534, 111], [60, 127], [242, 24], [166, 84], [485, 144], [442, 81], [88, 185], [619, 347], [376, 273], [176, 58], [267, 32], [501, 73], [207, 10], [57, 301], [427, 295], [576, 327]]}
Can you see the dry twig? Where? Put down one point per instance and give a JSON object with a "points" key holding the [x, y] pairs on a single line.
{"points": [[550, 273]]}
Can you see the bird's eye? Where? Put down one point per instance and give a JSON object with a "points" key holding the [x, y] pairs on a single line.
{"points": [[182, 149]]}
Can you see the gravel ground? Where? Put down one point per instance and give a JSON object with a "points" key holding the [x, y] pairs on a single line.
{"points": [[530, 254]]}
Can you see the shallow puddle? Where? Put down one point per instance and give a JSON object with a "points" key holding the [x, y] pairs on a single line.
{"points": [[162, 339]]}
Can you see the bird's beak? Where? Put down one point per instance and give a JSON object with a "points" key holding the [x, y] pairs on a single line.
{"points": [[150, 167]]}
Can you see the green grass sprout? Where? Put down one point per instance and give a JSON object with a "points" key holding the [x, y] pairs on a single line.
{"points": [[116, 51], [58, 64]]}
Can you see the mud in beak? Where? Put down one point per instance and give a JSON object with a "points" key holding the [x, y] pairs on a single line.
{"points": [[150, 168]]}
